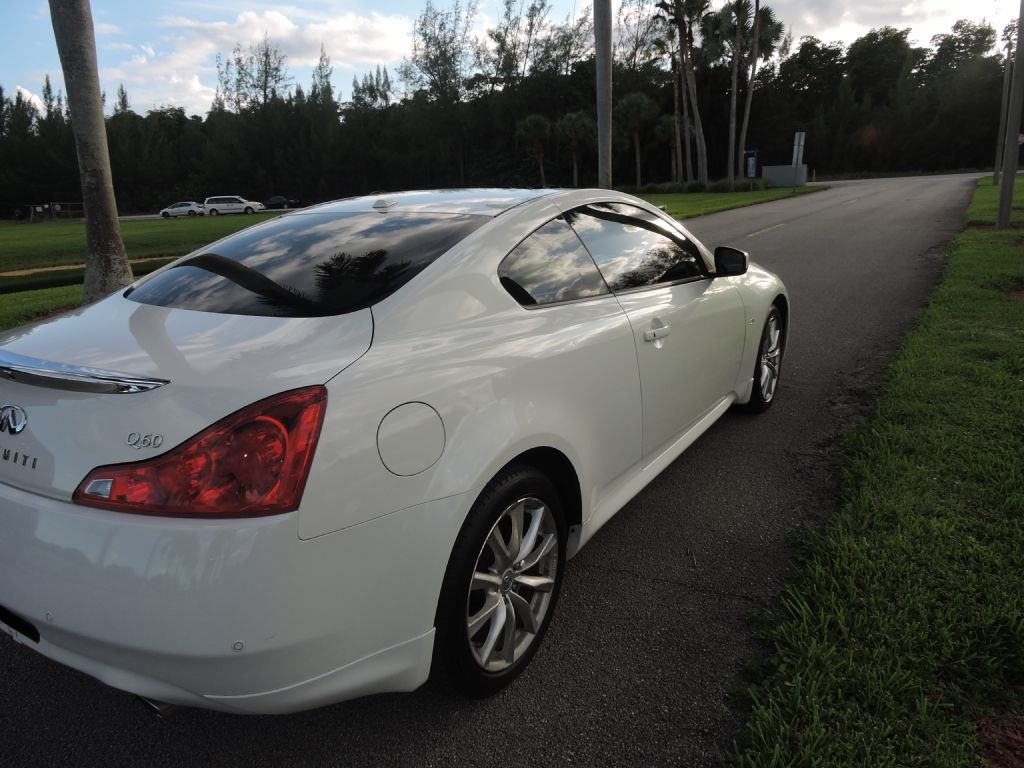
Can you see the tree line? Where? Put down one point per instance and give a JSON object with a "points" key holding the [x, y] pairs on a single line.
{"points": [[693, 88]]}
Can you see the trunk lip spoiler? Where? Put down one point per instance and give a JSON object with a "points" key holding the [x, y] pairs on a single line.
{"points": [[45, 373]]}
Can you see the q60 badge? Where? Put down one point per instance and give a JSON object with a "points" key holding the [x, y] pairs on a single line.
{"points": [[139, 441]]}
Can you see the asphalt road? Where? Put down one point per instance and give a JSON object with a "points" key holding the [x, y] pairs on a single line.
{"points": [[652, 629]]}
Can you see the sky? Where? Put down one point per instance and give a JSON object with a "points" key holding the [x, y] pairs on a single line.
{"points": [[165, 53]]}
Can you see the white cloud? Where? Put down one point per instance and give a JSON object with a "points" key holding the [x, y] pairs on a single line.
{"points": [[350, 39], [108, 29], [179, 69], [846, 20], [27, 95]]}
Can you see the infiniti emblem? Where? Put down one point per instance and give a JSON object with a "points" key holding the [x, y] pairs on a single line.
{"points": [[12, 419]]}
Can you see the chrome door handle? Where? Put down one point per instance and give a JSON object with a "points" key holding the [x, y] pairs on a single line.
{"points": [[656, 333]]}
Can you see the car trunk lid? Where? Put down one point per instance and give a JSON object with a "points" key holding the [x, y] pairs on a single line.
{"points": [[121, 381]]}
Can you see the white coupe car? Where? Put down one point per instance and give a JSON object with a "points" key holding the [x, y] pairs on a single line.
{"points": [[330, 453], [183, 209]]}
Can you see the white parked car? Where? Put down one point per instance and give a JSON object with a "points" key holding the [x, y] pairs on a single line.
{"points": [[183, 209], [327, 454], [231, 204]]}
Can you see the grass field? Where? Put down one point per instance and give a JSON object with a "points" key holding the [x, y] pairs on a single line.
{"points": [[902, 627], [20, 308], [52, 243], [686, 206], [36, 280]]}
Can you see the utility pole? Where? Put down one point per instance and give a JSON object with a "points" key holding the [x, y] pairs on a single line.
{"points": [[1011, 149], [1001, 138], [603, 54]]}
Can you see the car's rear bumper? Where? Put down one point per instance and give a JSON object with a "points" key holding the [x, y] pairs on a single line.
{"points": [[238, 615]]}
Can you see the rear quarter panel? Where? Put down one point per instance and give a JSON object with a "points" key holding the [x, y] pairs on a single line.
{"points": [[504, 379]]}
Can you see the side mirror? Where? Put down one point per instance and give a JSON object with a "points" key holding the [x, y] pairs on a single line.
{"points": [[730, 261]]}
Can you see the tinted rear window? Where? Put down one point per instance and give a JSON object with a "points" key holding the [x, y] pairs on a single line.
{"points": [[308, 265]]}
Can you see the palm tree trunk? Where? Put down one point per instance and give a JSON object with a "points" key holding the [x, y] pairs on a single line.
{"points": [[698, 127], [736, 55], [677, 147], [636, 154], [540, 163], [106, 263], [686, 127], [750, 89], [575, 170], [603, 54]]}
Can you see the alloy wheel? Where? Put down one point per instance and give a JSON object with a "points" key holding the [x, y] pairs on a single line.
{"points": [[771, 357], [512, 583]]}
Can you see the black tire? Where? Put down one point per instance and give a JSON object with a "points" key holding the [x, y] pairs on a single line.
{"points": [[191, 213], [248, 211], [214, 212], [457, 651], [166, 215], [770, 352]]}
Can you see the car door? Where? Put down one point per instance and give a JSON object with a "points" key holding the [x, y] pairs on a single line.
{"points": [[688, 327], [573, 321]]}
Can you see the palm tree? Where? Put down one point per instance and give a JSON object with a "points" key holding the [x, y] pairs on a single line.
{"points": [[686, 14], [635, 110], [667, 131], [533, 130], [576, 129], [106, 263], [603, 56], [669, 46], [721, 32], [728, 34], [765, 36]]}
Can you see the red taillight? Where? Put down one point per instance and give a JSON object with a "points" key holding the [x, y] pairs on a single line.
{"points": [[253, 462]]}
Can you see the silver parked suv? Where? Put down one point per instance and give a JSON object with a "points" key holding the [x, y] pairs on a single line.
{"points": [[231, 204]]}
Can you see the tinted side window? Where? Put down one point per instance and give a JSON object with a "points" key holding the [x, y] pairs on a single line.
{"points": [[308, 265], [550, 265], [634, 248]]}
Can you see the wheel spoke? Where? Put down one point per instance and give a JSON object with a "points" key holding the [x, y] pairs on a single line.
{"points": [[515, 541], [501, 618], [536, 583], [523, 612], [547, 543], [477, 621], [773, 335], [769, 377], [502, 555], [485, 580], [508, 646], [530, 540]]}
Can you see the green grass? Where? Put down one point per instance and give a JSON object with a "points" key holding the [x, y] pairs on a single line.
{"points": [[688, 205], [904, 621], [56, 278], [52, 243], [19, 308]]}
